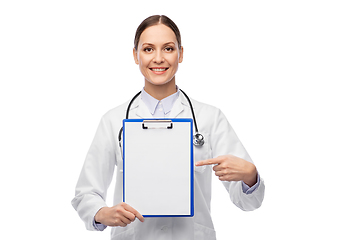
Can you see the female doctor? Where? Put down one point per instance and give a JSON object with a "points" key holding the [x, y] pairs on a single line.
{"points": [[158, 52]]}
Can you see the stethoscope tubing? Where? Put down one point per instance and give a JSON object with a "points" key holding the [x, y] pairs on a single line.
{"points": [[192, 111], [198, 138]]}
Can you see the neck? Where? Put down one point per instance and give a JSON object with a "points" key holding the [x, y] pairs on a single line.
{"points": [[160, 91]]}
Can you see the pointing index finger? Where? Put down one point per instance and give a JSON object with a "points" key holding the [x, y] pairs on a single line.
{"points": [[209, 161]]}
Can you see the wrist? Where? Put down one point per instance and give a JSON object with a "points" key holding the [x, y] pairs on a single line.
{"points": [[251, 180], [98, 215]]}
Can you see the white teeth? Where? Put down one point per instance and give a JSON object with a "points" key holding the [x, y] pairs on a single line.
{"points": [[158, 69]]}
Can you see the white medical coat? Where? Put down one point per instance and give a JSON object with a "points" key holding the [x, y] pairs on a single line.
{"points": [[105, 156]]}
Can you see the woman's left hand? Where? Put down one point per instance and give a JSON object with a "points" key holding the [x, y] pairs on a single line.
{"points": [[231, 168]]}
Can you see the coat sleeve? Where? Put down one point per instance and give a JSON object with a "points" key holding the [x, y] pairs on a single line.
{"points": [[225, 141], [95, 177]]}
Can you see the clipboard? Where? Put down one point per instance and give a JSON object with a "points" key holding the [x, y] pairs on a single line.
{"points": [[158, 166]]}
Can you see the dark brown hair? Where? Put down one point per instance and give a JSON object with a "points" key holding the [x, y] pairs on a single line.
{"points": [[156, 20]]}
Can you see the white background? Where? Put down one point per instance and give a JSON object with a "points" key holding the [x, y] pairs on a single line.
{"points": [[285, 73]]}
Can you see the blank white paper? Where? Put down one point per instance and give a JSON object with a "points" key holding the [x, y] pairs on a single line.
{"points": [[157, 169]]}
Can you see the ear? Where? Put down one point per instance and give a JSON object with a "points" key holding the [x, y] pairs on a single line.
{"points": [[135, 56], [181, 54]]}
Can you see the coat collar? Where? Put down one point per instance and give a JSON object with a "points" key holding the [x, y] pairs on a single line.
{"points": [[141, 110]]}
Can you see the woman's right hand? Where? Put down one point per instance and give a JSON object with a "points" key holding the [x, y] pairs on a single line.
{"points": [[118, 215]]}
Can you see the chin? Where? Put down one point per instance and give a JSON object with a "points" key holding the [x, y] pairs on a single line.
{"points": [[159, 82]]}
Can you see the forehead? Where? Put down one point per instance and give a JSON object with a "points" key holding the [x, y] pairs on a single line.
{"points": [[157, 34]]}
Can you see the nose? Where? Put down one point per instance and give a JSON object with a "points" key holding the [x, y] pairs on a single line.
{"points": [[158, 58]]}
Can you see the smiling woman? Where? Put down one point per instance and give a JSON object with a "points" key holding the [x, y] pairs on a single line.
{"points": [[158, 52]]}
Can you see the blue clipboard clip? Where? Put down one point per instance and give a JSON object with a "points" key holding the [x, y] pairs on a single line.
{"points": [[157, 124]]}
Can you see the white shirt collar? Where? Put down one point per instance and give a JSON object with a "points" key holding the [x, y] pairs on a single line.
{"points": [[152, 103]]}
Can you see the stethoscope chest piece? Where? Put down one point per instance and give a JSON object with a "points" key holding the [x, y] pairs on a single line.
{"points": [[198, 139]]}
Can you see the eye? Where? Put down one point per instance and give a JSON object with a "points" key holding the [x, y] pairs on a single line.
{"points": [[148, 50], [169, 49]]}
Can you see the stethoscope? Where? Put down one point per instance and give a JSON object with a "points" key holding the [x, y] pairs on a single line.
{"points": [[198, 138]]}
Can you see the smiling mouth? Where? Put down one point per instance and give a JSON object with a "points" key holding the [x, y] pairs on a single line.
{"points": [[158, 70]]}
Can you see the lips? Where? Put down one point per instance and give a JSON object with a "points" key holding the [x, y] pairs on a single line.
{"points": [[159, 70]]}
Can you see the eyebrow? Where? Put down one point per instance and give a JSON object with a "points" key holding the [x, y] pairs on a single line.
{"points": [[154, 45]]}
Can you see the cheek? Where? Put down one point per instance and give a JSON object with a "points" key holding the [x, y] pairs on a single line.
{"points": [[174, 61], [144, 61]]}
